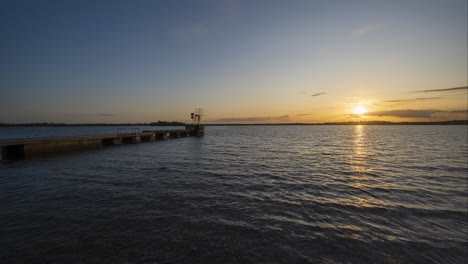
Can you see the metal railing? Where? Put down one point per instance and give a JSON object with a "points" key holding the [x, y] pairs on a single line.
{"points": [[133, 130]]}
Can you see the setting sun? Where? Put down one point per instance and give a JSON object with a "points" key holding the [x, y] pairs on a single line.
{"points": [[359, 110]]}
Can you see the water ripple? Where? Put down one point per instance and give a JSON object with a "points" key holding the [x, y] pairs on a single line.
{"points": [[273, 194]]}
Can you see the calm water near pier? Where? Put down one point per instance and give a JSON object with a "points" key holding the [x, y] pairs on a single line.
{"points": [[242, 194]]}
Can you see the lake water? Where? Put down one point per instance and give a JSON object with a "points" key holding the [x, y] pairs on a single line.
{"points": [[242, 194]]}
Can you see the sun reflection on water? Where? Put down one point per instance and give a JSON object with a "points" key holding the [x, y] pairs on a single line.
{"points": [[362, 178], [361, 169], [360, 152]]}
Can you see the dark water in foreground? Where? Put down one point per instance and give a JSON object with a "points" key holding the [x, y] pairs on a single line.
{"points": [[270, 194]]}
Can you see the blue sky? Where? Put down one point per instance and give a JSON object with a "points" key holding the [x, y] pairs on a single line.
{"points": [[141, 61]]}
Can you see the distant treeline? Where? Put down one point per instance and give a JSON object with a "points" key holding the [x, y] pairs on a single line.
{"points": [[453, 122], [159, 123]]}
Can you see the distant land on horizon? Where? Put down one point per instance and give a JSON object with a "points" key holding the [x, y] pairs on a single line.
{"points": [[175, 123], [51, 124], [451, 122]]}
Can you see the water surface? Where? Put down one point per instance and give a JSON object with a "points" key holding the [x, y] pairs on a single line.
{"points": [[246, 194]]}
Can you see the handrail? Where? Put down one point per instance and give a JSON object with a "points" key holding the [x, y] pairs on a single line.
{"points": [[121, 130]]}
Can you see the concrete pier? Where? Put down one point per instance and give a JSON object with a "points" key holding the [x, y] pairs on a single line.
{"points": [[19, 148]]}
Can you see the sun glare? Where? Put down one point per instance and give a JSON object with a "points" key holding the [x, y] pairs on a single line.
{"points": [[359, 110]]}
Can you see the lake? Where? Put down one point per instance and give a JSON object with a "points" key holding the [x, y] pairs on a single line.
{"points": [[242, 194]]}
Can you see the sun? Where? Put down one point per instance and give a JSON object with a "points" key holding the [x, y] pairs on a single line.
{"points": [[359, 110]]}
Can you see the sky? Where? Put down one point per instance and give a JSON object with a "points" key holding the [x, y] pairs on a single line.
{"points": [[242, 61]]}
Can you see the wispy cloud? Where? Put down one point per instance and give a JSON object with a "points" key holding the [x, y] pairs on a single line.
{"points": [[409, 113], [458, 111], [463, 88], [105, 114], [404, 113], [353, 116], [254, 119], [367, 29], [310, 94], [412, 99], [319, 94]]}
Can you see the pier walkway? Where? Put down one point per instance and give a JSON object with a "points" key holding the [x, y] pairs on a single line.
{"points": [[19, 148]]}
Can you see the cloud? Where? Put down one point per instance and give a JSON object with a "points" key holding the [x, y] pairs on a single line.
{"points": [[458, 111], [412, 100], [254, 119], [414, 113], [404, 113], [443, 90], [367, 29], [311, 95], [353, 116], [319, 94], [105, 114]]}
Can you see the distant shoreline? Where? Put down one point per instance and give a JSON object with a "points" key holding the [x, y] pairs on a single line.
{"points": [[45, 124], [452, 122], [163, 123]]}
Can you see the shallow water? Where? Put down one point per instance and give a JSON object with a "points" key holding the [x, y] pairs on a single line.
{"points": [[244, 194]]}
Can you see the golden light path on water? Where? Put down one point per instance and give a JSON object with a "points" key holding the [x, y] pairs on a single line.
{"points": [[360, 167]]}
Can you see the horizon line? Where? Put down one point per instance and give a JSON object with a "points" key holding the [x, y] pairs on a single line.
{"points": [[175, 123]]}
